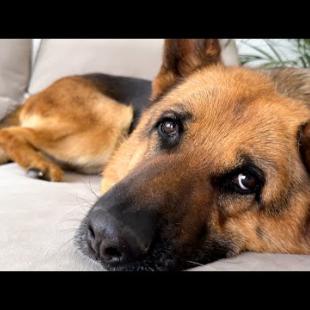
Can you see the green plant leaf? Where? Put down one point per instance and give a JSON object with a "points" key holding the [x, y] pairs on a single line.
{"points": [[273, 58], [278, 56]]}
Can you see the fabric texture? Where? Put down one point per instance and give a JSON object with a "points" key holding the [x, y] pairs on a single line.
{"points": [[15, 70], [38, 221]]}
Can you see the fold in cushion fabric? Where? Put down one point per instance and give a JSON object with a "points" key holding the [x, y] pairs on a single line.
{"points": [[15, 69]]}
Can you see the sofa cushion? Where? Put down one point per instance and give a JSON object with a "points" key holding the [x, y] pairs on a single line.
{"points": [[260, 262], [38, 221], [15, 67], [128, 57]]}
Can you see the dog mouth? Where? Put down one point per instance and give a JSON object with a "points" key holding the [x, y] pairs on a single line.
{"points": [[160, 257], [157, 260]]}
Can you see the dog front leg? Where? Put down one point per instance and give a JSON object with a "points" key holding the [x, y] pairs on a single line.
{"points": [[18, 143]]}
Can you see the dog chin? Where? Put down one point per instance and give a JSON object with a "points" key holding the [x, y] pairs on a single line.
{"points": [[162, 261], [144, 265]]}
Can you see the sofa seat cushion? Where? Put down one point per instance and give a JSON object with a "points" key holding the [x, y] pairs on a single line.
{"points": [[38, 221], [260, 262]]}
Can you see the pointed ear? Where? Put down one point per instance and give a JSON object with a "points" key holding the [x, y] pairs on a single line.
{"points": [[182, 57]]}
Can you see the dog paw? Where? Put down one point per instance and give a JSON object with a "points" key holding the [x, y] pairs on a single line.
{"points": [[35, 173], [52, 174]]}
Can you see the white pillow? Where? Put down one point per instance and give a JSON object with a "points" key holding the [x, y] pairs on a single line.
{"points": [[15, 67], [128, 57]]}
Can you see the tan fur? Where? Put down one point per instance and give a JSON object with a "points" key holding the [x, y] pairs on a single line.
{"points": [[64, 124], [234, 110]]}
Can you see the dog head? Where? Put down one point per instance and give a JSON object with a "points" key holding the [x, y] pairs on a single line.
{"points": [[217, 165]]}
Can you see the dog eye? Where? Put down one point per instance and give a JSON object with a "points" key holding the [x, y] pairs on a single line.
{"points": [[246, 183], [169, 131], [168, 128], [246, 180]]}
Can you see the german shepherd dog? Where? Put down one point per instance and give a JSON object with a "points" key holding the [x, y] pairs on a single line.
{"points": [[207, 162]]}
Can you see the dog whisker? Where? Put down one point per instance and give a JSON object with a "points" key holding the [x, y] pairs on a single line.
{"points": [[92, 190]]}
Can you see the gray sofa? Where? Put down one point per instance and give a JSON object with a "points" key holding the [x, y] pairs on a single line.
{"points": [[38, 219]]}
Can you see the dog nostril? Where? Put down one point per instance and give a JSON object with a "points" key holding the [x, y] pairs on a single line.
{"points": [[112, 253]]}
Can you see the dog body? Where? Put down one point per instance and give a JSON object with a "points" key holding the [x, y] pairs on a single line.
{"points": [[76, 123], [217, 164]]}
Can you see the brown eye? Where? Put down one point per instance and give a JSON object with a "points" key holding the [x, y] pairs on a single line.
{"points": [[170, 131], [169, 128], [246, 182]]}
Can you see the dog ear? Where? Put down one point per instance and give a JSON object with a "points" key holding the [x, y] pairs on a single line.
{"points": [[181, 57]]}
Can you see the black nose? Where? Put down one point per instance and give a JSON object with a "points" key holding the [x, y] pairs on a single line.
{"points": [[117, 234]]}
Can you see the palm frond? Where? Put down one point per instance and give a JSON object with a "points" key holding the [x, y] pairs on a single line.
{"points": [[272, 57]]}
